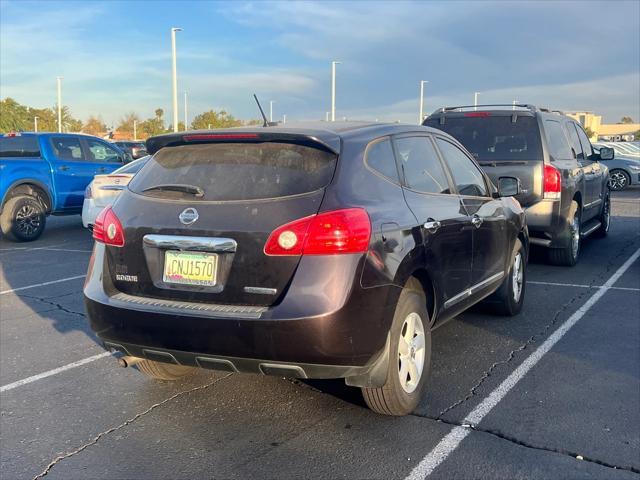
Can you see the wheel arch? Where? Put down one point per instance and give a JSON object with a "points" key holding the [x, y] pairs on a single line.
{"points": [[31, 187]]}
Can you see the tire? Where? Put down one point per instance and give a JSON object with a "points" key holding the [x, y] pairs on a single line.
{"points": [[164, 371], [23, 218], [568, 256], [393, 398], [605, 218], [618, 180], [509, 298]]}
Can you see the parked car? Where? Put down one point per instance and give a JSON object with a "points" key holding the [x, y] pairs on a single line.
{"points": [[624, 170], [104, 189], [317, 251], [564, 182], [46, 174], [134, 148]]}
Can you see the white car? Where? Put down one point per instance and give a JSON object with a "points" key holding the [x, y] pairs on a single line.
{"points": [[104, 189]]}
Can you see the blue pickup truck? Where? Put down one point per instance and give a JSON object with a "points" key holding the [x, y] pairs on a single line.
{"points": [[46, 174]]}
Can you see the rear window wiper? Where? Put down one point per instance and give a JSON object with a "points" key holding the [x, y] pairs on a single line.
{"points": [[177, 187]]}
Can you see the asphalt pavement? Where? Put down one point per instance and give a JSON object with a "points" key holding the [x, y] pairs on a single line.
{"points": [[551, 393]]}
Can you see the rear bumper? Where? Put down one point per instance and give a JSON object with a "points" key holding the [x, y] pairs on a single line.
{"points": [[333, 340], [90, 212], [547, 223]]}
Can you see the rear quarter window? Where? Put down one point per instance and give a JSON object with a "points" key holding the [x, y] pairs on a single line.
{"points": [[236, 171], [379, 157], [21, 147], [559, 147]]}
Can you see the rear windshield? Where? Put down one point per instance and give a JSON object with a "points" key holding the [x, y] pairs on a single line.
{"points": [[495, 137], [19, 146], [235, 171]]}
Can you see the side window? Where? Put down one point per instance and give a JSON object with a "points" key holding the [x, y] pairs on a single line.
{"points": [[586, 144], [557, 141], [421, 166], [379, 157], [101, 152], [574, 140], [67, 148], [467, 177]]}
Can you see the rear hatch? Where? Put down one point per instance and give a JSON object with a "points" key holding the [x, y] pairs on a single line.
{"points": [[203, 207], [105, 188], [505, 143]]}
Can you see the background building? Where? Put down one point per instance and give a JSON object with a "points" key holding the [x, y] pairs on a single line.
{"points": [[616, 132]]}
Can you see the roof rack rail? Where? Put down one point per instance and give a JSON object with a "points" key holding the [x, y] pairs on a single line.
{"points": [[459, 108]]}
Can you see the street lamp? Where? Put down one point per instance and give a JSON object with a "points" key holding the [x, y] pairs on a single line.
{"points": [[135, 130], [175, 77], [35, 124], [421, 118], [59, 82], [514, 104], [284, 119], [271, 102], [475, 100], [185, 112], [333, 89]]}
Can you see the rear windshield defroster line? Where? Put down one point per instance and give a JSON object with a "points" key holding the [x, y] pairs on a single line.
{"points": [[235, 171]]}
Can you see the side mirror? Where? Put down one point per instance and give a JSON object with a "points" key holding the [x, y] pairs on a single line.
{"points": [[508, 186], [607, 153]]}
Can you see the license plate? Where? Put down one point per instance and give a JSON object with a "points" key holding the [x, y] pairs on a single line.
{"points": [[190, 268]]}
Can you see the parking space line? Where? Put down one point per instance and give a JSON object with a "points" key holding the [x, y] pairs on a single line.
{"points": [[55, 371], [3, 292], [577, 285], [44, 247], [452, 440]]}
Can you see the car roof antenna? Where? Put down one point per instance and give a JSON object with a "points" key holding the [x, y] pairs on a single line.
{"points": [[266, 122]]}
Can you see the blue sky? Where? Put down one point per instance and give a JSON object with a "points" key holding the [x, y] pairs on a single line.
{"points": [[115, 56]]}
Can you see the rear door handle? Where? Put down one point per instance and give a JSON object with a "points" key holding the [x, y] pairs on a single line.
{"points": [[432, 226], [64, 167], [102, 169], [476, 221]]}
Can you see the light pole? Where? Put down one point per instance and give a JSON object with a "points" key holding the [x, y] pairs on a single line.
{"points": [[35, 124], [185, 112], [333, 90], [475, 100], [135, 130], [175, 77], [326, 116], [271, 102], [59, 82], [421, 118], [514, 104], [284, 119]]}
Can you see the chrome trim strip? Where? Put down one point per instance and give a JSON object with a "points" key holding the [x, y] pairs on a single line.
{"points": [[113, 187], [470, 291], [588, 232], [180, 307], [592, 204], [200, 244], [261, 290]]}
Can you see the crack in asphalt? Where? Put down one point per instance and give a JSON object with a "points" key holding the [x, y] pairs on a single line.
{"points": [[522, 443], [95, 440], [54, 304], [579, 296]]}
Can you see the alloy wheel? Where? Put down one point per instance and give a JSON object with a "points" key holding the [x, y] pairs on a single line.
{"points": [[618, 180], [517, 277], [28, 220], [411, 352]]}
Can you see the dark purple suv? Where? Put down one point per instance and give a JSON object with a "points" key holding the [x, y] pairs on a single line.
{"points": [[327, 250]]}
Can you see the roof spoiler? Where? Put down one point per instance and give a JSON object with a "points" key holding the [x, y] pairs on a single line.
{"points": [[154, 144]]}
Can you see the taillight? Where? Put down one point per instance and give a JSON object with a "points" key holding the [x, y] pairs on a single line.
{"points": [[328, 233], [87, 191], [552, 182], [107, 229]]}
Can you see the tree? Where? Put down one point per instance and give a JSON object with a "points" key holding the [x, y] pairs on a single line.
{"points": [[126, 123], [213, 119], [636, 136], [626, 119], [94, 126], [74, 125], [14, 117], [159, 113], [590, 133]]}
